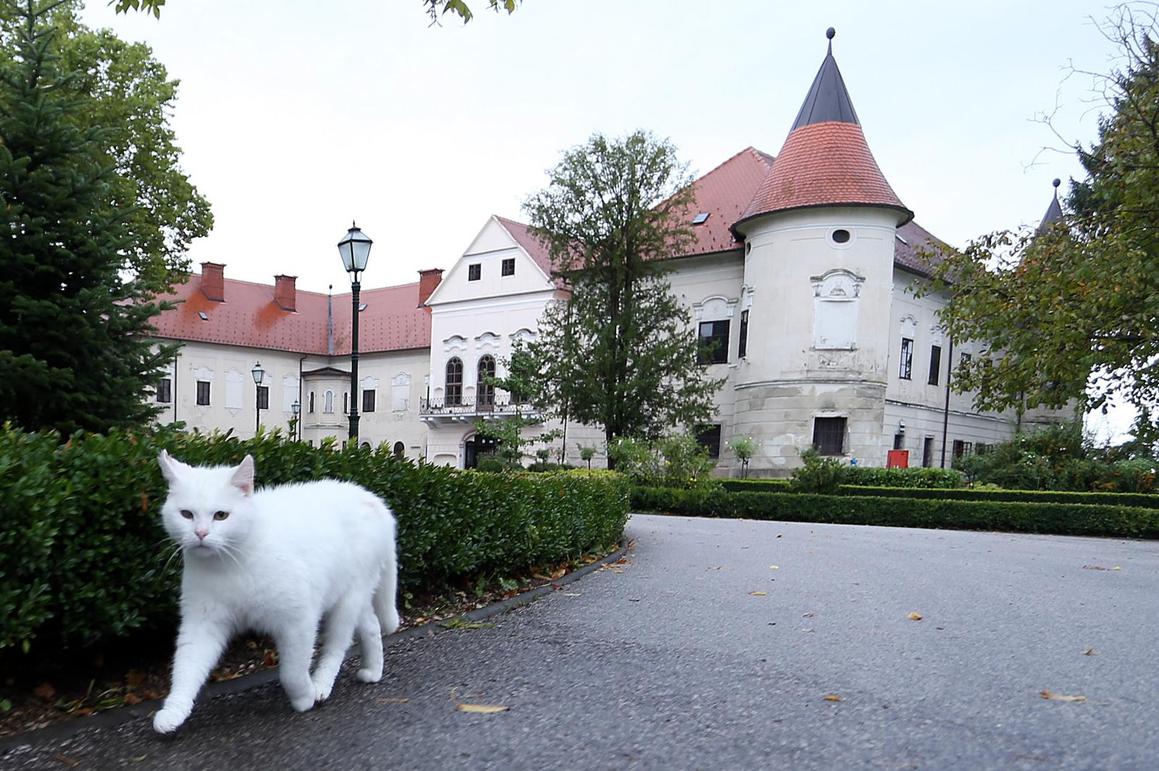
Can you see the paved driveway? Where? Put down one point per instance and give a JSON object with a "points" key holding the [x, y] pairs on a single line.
{"points": [[716, 646]]}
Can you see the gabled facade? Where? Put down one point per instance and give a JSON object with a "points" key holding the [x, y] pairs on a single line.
{"points": [[801, 272]]}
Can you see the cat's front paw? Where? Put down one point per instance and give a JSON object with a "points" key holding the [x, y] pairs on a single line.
{"points": [[322, 690], [368, 675], [303, 703], [168, 719]]}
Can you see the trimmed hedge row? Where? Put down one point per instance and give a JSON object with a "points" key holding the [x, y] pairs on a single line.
{"points": [[84, 559], [1054, 518], [1143, 500]]}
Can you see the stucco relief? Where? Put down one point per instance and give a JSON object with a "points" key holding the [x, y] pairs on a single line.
{"points": [[835, 301], [715, 308]]}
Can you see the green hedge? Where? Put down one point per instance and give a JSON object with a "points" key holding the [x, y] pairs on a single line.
{"points": [[83, 556], [1144, 500], [1056, 518]]}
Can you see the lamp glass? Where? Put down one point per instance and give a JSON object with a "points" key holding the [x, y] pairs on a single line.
{"points": [[258, 373], [295, 408], [354, 249]]}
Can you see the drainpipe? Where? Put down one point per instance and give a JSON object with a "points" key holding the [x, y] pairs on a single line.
{"points": [[176, 356], [301, 404], [946, 412]]}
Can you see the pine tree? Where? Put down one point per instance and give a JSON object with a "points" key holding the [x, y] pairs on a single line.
{"points": [[74, 351]]}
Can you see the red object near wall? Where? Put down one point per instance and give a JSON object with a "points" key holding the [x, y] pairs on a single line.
{"points": [[897, 459]]}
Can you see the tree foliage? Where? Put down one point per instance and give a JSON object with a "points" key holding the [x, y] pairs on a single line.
{"points": [[73, 321], [128, 96], [1073, 312], [436, 8], [620, 350]]}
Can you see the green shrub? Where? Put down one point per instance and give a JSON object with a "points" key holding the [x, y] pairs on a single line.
{"points": [[675, 461], [84, 559], [917, 477], [988, 493], [818, 474], [1056, 518]]}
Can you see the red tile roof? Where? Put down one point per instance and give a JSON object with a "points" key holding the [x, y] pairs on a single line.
{"points": [[249, 317], [723, 194], [825, 164], [916, 249], [532, 245]]}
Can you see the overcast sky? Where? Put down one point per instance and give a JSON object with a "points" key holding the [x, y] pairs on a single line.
{"points": [[297, 116]]}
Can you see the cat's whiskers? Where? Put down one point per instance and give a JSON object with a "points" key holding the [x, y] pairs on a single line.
{"points": [[172, 556]]}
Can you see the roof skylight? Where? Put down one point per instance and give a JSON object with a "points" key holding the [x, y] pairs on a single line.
{"points": [[203, 315], [700, 218]]}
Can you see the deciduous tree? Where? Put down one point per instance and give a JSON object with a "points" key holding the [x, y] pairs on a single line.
{"points": [[620, 351]]}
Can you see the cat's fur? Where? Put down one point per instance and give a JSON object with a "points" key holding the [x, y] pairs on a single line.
{"points": [[278, 562]]}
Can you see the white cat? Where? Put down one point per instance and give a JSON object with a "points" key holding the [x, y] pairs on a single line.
{"points": [[276, 561]]}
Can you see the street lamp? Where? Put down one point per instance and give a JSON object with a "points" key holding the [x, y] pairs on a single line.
{"points": [[296, 409], [259, 378], [355, 251]]}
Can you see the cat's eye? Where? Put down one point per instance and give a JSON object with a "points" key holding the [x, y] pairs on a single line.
{"points": [[187, 513], [220, 515]]}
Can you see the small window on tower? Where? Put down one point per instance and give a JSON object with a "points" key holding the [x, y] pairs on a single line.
{"points": [[841, 236]]}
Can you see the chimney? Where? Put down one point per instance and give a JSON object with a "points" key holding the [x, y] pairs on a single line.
{"points": [[428, 280], [213, 281], [285, 295]]}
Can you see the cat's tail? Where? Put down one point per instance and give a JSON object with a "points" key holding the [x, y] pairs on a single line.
{"points": [[385, 596]]}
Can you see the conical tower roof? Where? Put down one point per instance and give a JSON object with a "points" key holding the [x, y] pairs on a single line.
{"points": [[1054, 211], [825, 160]]}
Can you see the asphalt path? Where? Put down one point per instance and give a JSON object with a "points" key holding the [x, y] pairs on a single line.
{"points": [[715, 645]]}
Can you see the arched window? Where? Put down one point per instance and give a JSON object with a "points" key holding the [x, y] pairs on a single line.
{"points": [[328, 402], [311, 401], [454, 392], [484, 387], [399, 449]]}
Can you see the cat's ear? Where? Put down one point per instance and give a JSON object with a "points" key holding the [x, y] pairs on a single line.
{"points": [[170, 466], [243, 476]]}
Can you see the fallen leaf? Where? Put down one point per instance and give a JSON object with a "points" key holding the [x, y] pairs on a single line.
{"points": [[45, 692], [1050, 696], [558, 573], [138, 759], [759, 594], [392, 700], [1090, 652], [1116, 567], [832, 697], [477, 709], [774, 567], [914, 616], [540, 577], [270, 659], [131, 698]]}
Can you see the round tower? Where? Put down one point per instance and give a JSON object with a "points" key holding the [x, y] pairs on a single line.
{"points": [[819, 254]]}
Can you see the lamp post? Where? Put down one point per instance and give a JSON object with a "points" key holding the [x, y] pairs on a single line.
{"points": [[296, 409], [355, 251], [259, 378]]}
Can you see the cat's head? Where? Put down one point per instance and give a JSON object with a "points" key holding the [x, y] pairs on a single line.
{"points": [[209, 509]]}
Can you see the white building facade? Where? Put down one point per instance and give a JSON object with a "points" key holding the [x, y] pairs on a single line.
{"points": [[802, 275]]}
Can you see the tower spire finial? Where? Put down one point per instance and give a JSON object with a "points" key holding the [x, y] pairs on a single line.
{"points": [[829, 33]]}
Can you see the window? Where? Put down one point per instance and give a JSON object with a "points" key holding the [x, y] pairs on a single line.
{"points": [[328, 403], [474, 271], [744, 335], [454, 391], [829, 435], [708, 437], [263, 397], [484, 386], [935, 364], [927, 452], [399, 449], [907, 358], [713, 342], [203, 392], [311, 410], [165, 390], [899, 441], [981, 448], [841, 236], [962, 449], [509, 267], [345, 402], [966, 358], [368, 400]]}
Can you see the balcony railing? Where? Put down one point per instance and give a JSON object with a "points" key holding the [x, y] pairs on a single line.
{"points": [[470, 406]]}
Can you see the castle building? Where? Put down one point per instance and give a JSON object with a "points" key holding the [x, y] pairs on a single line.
{"points": [[802, 275]]}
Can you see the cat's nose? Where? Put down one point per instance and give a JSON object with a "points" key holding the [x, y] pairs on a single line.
{"points": [[201, 532]]}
